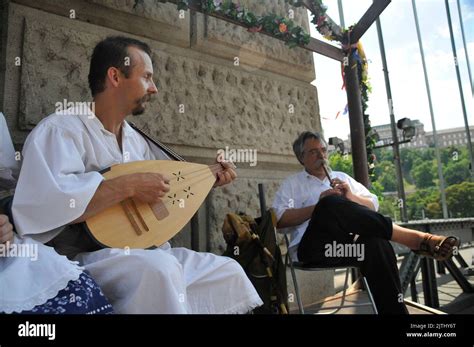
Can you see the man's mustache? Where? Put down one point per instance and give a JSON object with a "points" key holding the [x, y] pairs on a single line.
{"points": [[146, 98], [324, 162]]}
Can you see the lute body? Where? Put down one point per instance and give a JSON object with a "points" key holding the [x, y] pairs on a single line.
{"points": [[137, 224]]}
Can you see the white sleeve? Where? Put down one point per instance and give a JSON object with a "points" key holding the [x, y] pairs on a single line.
{"points": [[53, 188], [359, 189], [7, 152], [283, 199]]}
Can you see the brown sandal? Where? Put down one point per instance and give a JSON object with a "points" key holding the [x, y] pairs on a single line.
{"points": [[436, 251]]}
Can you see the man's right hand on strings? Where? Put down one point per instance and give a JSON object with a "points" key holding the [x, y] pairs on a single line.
{"points": [[6, 229], [149, 187]]}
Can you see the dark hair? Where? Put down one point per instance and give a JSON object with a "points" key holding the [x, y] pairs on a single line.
{"points": [[299, 143], [111, 52]]}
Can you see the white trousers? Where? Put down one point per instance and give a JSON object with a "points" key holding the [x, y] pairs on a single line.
{"points": [[170, 281]]}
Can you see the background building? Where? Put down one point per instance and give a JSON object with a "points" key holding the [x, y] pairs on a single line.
{"points": [[422, 138], [450, 137]]}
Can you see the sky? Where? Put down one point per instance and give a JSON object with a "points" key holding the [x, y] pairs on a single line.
{"points": [[404, 65]]}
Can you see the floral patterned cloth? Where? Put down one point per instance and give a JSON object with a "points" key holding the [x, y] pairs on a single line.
{"points": [[82, 296]]}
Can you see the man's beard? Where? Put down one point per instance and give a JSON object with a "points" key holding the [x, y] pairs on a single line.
{"points": [[140, 109]]}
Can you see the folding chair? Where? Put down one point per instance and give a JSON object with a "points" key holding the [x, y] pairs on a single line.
{"points": [[308, 267], [304, 267]]}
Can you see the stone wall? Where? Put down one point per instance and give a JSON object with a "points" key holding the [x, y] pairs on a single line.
{"points": [[205, 102]]}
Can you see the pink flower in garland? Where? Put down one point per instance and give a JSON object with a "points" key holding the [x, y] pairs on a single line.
{"points": [[321, 20], [255, 29], [283, 28]]}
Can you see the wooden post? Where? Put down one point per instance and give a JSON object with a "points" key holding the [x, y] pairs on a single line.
{"points": [[369, 17], [356, 121]]}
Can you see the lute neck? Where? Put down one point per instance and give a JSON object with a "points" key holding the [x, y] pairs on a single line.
{"points": [[158, 143], [215, 168]]}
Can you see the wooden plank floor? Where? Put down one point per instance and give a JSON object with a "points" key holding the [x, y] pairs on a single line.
{"points": [[358, 297], [451, 297]]}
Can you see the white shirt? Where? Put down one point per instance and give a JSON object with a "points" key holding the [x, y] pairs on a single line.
{"points": [[59, 177], [303, 190], [33, 273], [7, 153], [8, 165], [61, 158]]}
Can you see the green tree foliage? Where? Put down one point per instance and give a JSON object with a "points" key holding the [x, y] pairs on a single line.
{"points": [[342, 163], [434, 210], [419, 167], [388, 206], [457, 172], [422, 203], [410, 159], [384, 155], [453, 154], [377, 189], [423, 174], [385, 173], [460, 199]]}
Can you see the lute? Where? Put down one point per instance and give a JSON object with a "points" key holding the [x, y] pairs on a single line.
{"points": [[136, 224]]}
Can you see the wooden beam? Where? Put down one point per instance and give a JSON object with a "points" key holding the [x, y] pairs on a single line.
{"points": [[323, 48], [369, 17], [314, 45]]}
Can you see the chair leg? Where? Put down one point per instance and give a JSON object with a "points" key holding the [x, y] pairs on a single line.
{"points": [[343, 299], [371, 298], [295, 284], [336, 309], [289, 261]]}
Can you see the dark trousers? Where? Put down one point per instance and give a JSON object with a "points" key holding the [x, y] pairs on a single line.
{"points": [[6, 207], [333, 220]]}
